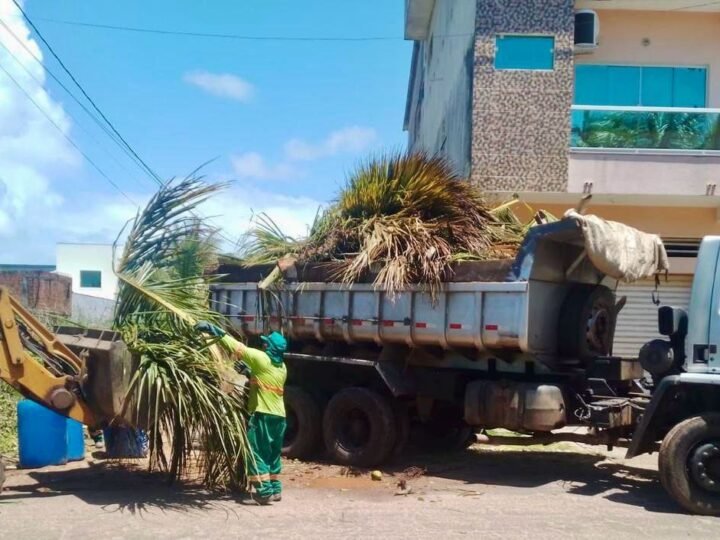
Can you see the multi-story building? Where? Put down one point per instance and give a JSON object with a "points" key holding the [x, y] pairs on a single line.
{"points": [[553, 99]]}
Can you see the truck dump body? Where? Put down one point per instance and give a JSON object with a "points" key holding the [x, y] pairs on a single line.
{"points": [[519, 312]]}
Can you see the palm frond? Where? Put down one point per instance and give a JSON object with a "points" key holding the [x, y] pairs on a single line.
{"points": [[182, 391]]}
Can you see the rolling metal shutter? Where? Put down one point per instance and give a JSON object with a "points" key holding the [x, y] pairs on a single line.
{"points": [[637, 322]]}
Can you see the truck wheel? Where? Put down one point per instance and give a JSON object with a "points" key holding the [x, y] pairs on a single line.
{"points": [[586, 323], [689, 464], [438, 436], [359, 427], [302, 433], [402, 427]]}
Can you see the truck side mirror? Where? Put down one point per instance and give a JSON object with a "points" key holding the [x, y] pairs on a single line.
{"points": [[672, 321]]}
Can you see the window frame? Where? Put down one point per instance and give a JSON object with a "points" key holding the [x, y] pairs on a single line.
{"points": [[643, 65], [503, 35], [84, 273]]}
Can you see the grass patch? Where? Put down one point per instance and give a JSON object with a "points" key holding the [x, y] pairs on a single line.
{"points": [[8, 420]]}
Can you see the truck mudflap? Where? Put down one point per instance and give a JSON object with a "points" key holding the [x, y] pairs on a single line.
{"points": [[647, 431]]}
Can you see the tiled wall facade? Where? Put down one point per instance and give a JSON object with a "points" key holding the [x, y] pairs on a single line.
{"points": [[521, 119]]}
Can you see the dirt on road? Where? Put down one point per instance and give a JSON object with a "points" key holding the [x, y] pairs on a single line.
{"points": [[561, 491]]}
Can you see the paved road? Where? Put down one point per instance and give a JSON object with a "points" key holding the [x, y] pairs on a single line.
{"points": [[481, 493]]}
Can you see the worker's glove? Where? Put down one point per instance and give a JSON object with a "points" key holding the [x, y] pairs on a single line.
{"points": [[209, 328]]}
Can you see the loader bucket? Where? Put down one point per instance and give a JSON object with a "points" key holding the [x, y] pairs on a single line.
{"points": [[108, 368]]}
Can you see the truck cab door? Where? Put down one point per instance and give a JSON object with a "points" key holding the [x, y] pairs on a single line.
{"points": [[703, 339]]}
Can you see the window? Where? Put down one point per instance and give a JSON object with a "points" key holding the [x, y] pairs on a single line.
{"points": [[524, 52], [91, 279], [648, 86]]}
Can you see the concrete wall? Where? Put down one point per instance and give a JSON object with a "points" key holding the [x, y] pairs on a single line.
{"points": [[677, 38], [92, 311], [41, 291], [667, 221], [439, 116], [72, 258], [643, 173], [521, 119]]}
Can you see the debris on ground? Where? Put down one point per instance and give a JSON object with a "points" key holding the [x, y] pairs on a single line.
{"points": [[403, 488], [377, 476], [414, 472]]}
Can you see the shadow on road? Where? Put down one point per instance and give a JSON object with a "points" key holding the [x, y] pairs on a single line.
{"points": [[119, 488], [578, 473]]}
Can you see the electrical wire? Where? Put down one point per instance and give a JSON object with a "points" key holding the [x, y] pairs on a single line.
{"points": [[65, 136], [102, 125], [84, 93], [40, 85], [213, 35], [118, 138], [238, 37]]}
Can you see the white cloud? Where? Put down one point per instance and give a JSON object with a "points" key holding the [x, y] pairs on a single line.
{"points": [[32, 151], [233, 209], [352, 140], [221, 84], [253, 165]]}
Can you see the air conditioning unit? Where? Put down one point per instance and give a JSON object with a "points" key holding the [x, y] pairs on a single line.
{"points": [[587, 30]]}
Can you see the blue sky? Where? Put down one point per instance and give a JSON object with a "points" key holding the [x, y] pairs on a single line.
{"points": [[284, 120]]}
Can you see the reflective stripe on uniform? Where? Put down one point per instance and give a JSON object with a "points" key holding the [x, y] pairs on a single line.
{"points": [[267, 387], [259, 478]]}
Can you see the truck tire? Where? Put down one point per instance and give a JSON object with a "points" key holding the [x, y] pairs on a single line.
{"points": [[586, 322], [436, 436], [402, 428], [302, 434], [359, 427], [689, 464]]}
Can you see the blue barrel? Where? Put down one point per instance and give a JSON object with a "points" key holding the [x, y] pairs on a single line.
{"points": [[125, 442], [42, 436], [75, 440]]}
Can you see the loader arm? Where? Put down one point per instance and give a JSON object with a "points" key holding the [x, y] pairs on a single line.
{"points": [[38, 365]]}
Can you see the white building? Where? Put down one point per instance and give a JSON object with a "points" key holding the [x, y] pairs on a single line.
{"points": [[91, 268]]}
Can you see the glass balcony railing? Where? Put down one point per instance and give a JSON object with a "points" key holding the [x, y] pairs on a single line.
{"points": [[645, 128]]}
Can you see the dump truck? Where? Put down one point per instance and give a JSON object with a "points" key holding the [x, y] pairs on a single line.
{"points": [[523, 344]]}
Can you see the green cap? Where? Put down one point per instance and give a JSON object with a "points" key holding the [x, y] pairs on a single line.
{"points": [[276, 346]]}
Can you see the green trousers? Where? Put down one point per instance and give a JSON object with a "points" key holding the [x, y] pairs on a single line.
{"points": [[266, 433]]}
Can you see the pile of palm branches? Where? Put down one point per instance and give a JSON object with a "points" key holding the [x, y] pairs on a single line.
{"points": [[181, 392], [403, 218]]}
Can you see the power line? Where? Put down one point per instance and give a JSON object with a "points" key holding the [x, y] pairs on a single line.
{"points": [[102, 125], [240, 37], [145, 166], [65, 136], [84, 93], [40, 84], [139, 161]]}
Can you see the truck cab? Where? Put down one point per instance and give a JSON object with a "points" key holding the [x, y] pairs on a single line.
{"points": [[684, 412]]}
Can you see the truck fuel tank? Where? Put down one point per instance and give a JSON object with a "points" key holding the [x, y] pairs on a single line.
{"points": [[515, 406]]}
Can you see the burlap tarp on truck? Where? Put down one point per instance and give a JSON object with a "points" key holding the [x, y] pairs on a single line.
{"points": [[620, 251]]}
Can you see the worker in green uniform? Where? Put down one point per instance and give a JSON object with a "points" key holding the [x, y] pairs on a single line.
{"points": [[266, 428]]}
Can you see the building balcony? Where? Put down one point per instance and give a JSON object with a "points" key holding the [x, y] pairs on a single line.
{"points": [[644, 151], [645, 128]]}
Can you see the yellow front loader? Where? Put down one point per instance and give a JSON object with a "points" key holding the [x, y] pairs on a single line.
{"points": [[82, 374]]}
